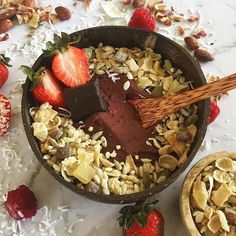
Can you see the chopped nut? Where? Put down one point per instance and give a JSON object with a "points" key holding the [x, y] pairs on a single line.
{"points": [[203, 55], [191, 42], [63, 13]]}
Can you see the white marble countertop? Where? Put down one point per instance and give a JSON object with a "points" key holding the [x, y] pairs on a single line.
{"points": [[62, 212]]}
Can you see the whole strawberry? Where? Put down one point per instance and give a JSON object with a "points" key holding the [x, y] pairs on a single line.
{"points": [[142, 18], [21, 203], [215, 111], [46, 88], [4, 73], [5, 114], [141, 220], [70, 64]]}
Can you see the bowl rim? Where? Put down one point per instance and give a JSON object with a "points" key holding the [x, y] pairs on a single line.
{"points": [[127, 198], [184, 201]]}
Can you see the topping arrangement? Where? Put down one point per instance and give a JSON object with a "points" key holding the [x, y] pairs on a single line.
{"points": [[95, 150], [77, 143]]}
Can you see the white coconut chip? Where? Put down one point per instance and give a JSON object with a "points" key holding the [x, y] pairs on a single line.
{"points": [[111, 10]]}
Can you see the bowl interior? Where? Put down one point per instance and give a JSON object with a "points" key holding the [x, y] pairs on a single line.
{"points": [[185, 206], [121, 36]]}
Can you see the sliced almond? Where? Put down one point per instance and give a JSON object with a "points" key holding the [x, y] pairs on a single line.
{"points": [[5, 25], [191, 42], [221, 195]]}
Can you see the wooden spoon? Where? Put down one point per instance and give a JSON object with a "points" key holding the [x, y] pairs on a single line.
{"points": [[151, 110]]}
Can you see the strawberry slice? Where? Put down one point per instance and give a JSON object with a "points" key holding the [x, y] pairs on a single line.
{"points": [[70, 64], [5, 114], [46, 87], [71, 67]]}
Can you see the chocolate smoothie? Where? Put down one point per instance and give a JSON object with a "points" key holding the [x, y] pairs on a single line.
{"points": [[121, 124]]}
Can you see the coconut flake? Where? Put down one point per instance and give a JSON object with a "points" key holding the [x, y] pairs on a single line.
{"points": [[70, 228], [126, 85], [111, 10]]}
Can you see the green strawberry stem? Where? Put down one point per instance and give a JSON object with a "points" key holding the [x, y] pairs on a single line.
{"points": [[60, 43], [32, 75], [135, 213], [5, 60]]}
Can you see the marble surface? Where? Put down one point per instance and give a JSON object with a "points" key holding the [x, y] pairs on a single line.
{"points": [[62, 212]]}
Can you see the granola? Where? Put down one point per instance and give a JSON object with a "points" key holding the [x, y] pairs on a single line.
{"points": [[78, 154]]}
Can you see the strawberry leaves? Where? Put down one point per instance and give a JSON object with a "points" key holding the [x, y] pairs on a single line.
{"points": [[28, 71], [5, 60], [137, 213], [60, 43], [31, 74]]}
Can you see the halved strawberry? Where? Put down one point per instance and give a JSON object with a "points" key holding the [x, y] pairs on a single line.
{"points": [[46, 88], [71, 67], [70, 64]]}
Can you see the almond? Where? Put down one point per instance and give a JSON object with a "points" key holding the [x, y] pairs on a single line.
{"points": [[5, 25], [7, 15], [180, 30], [63, 13], [138, 3], [28, 3], [230, 214], [191, 42], [4, 37], [203, 55]]}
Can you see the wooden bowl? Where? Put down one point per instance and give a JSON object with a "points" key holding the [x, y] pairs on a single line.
{"points": [[185, 208], [121, 36]]}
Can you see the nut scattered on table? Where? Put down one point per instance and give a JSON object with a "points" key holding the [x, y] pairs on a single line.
{"points": [[26, 12], [63, 13], [191, 42], [5, 25], [203, 55]]}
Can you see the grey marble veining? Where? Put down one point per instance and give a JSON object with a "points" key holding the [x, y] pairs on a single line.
{"points": [[62, 212]]}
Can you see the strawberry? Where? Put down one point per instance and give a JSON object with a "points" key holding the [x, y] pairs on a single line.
{"points": [[4, 73], [5, 114], [215, 111], [142, 18], [70, 64], [141, 220], [46, 88], [21, 203]]}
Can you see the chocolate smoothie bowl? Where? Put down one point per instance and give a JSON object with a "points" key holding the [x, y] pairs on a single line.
{"points": [[96, 145]]}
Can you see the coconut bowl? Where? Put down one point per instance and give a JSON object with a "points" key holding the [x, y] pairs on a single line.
{"points": [[121, 36]]}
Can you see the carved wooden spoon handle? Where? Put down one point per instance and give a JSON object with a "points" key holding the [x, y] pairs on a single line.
{"points": [[151, 109]]}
